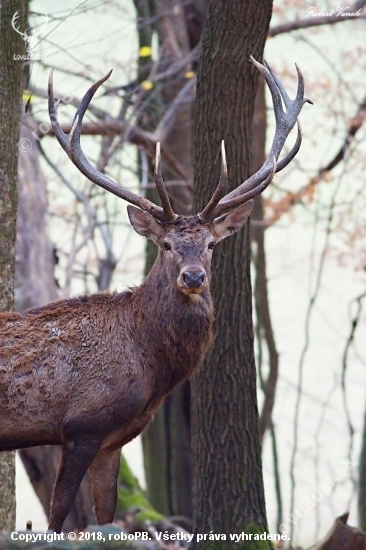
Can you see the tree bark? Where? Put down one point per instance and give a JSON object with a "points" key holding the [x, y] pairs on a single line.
{"points": [[166, 442], [228, 484], [35, 285], [11, 80]]}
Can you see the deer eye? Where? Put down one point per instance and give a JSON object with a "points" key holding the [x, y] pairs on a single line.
{"points": [[211, 245], [167, 246]]}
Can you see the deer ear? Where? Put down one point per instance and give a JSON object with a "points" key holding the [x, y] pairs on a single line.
{"points": [[224, 227], [145, 224]]}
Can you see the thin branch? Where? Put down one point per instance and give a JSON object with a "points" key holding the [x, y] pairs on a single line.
{"points": [[266, 331], [186, 94], [277, 477], [84, 200], [310, 308], [354, 323], [318, 441], [71, 257], [112, 127]]}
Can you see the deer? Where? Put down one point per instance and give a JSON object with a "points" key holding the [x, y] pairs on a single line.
{"points": [[89, 372]]}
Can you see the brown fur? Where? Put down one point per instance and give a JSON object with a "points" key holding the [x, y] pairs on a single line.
{"points": [[89, 372]]}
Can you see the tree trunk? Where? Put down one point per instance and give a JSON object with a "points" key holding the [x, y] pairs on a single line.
{"points": [[11, 80], [166, 442], [228, 483], [35, 285]]}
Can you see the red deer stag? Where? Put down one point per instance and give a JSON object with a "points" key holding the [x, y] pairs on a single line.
{"points": [[88, 373]]}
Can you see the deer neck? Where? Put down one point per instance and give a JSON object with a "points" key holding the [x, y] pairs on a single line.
{"points": [[182, 325]]}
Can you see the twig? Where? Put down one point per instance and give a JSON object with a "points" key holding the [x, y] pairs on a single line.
{"points": [[306, 346]]}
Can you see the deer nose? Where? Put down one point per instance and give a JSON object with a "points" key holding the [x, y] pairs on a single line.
{"points": [[193, 279]]}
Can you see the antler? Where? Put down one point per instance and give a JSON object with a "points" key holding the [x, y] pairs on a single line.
{"points": [[285, 121], [13, 22], [220, 190], [71, 145]]}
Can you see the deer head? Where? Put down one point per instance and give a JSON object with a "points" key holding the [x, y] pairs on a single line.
{"points": [[186, 243]]}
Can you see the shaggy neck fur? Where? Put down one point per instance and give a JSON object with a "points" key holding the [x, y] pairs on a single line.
{"points": [[179, 328]]}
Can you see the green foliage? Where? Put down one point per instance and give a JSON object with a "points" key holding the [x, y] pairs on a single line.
{"points": [[256, 529], [131, 496]]}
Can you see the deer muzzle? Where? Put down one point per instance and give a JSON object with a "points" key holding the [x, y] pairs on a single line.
{"points": [[192, 280]]}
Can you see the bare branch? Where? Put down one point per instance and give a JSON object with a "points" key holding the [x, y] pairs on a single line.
{"points": [[186, 94], [285, 204], [112, 127], [90, 211]]}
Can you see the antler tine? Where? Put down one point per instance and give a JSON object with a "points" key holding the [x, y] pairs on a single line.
{"points": [[53, 109], [301, 87], [84, 104], [220, 190], [285, 121], [159, 182], [288, 158], [226, 206], [53, 113], [280, 87], [271, 83], [256, 178], [71, 145]]}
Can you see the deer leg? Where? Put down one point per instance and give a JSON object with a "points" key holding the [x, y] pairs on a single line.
{"points": [[75, 459], [103, 475]]}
